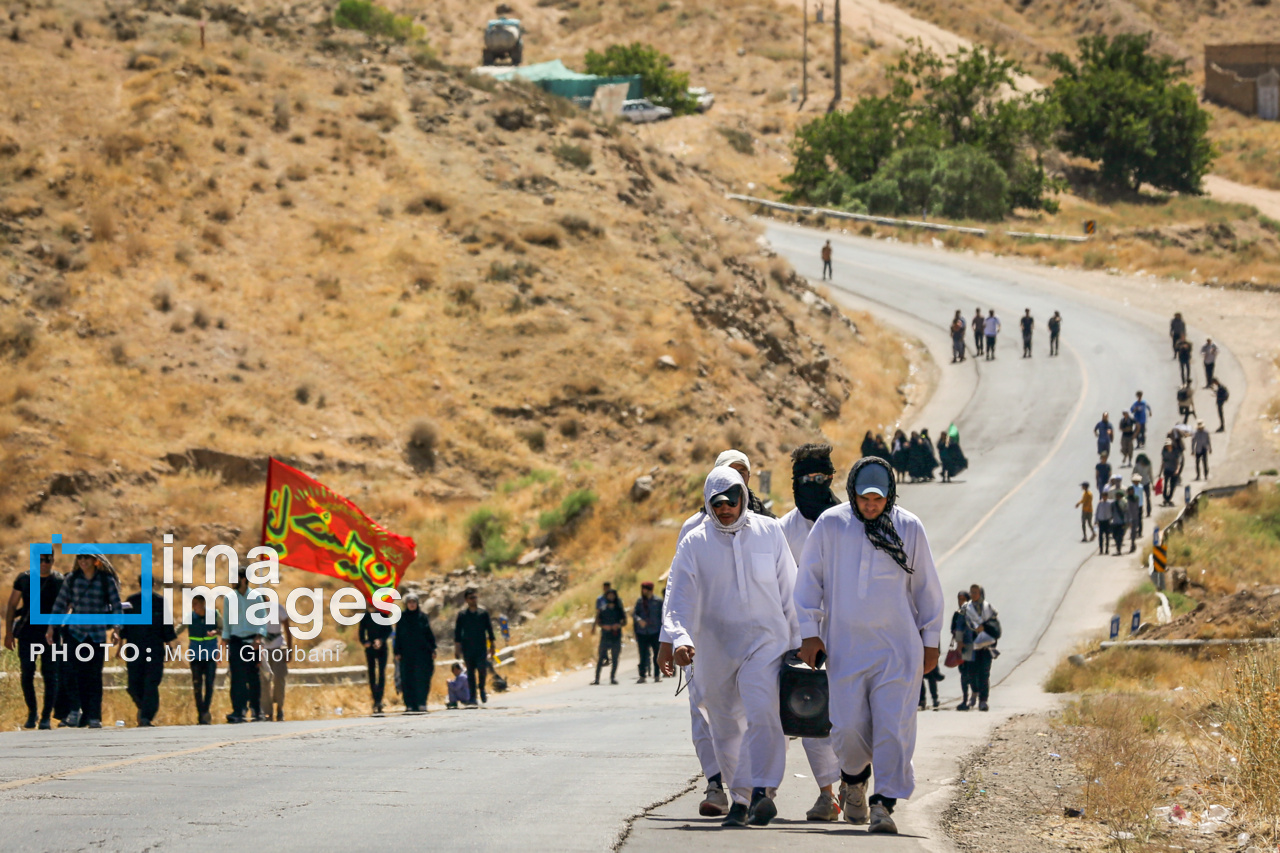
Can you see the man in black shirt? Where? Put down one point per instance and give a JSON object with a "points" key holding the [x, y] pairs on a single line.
{"points": [[1177, 331], [610, 619], [19, 631], [146, 669], [1220, 397], [1055, 329], [1182, 349], [472, 639], [1028, 324], [374, 637]]}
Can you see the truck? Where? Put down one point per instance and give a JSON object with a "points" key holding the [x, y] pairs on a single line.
{"points": [[503, 39]]}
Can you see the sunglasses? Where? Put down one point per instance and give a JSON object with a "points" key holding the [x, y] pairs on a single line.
{"points": [[724, 501], [824, 479]]}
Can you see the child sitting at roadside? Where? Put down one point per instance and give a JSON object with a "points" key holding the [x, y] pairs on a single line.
{"points": [[459, 688]]}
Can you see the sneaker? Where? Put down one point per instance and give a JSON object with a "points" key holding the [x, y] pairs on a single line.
{"points": [[642, 680], [597, 681], [611, 681], [982, 706], [31, 722], [824, 808], [280, 716], [853, 802], [45, 725], [963, 706], [715, 803], [71, 721], [935, 706], [882, 821], [762, 810], [206, 719], [95, 724], [234, 718], [737, 816], [144, 723]]}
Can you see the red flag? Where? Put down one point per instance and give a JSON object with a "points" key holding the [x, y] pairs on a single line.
{"points": [[315, 529]]}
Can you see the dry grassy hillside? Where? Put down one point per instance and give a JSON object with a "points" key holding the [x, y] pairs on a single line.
{"points": [[432, 292]]}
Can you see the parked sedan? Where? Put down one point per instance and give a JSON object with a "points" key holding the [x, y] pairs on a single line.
{"points": [[643, 110]]}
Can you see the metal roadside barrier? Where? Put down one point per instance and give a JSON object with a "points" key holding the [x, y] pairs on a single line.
{"points": [[1186, 644], [899, 223], [1190, 509]]}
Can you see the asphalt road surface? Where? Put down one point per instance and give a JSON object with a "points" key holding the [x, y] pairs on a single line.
{"points": [[568, 766]]}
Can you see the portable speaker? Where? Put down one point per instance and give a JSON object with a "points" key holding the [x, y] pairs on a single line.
{"points": [[803, 698]]}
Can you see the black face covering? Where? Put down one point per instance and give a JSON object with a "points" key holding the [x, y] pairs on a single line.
{"points": [[812, 499]]}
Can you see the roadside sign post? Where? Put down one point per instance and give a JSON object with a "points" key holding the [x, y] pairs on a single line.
{"points": [[1115, 627], [1137, 620]]}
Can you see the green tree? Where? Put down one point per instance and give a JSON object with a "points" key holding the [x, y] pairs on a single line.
{"points": [[1124, 107], [969, 184], [662, 83], [368, 17]]}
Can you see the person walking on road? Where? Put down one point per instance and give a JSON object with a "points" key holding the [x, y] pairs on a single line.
{"points": [[1201, 447], [811, 477], [979, 330], [274, 672], [19, 632], [1055, 330], [1102, 515], [415, 650], [982, 619], [473, 640], [1133, 515], [1119, 518], [868, 596], [1087, 531], [1220, 397], [826, 261], [1105, 433], [610, 619], [1210, 354], [1142, 473], [646, 619], [1186, 401], [1177, 331], [1141, 414], [203, 633], [957, 338], [1102, 472], [729, 602], [603, 596], [991, 328], [931, 680], [1171, 462], [1028, 325], [146, 670], [243, 640], [1141, 499], [375, 635], [1183, 349], [92, 587], [962, 641]]}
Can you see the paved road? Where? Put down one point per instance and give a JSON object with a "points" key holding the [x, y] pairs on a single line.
{"points": [[567, 766]]}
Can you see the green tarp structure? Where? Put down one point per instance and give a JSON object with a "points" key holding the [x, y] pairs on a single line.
{"points": [[558, 79]]}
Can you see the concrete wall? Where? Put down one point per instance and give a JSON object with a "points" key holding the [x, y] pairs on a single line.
{"points": [[1231, 90], [1231, 73]]}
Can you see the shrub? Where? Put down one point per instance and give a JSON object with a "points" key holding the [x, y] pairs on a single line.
{"points": [[486, 534], [421, 450], [574, 155], [431, 200], [739, 140], [17, 338], [662, 84], [162, 299], [969, 184], [375, 20], [302, 393], [536, 438], [572, 509], [569, 426], [329, 287], [200, 319], [548, 235], [579, 225]]}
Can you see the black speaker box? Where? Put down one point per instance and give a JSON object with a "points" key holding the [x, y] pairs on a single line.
{"points": [[803, 698]]}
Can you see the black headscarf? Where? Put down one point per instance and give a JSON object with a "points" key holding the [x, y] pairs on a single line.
{"points": [[812, 499], [880, 531]]}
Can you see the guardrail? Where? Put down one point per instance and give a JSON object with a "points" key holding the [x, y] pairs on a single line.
{"points": [[1186, 644], [899, 223], [1193, 507]]}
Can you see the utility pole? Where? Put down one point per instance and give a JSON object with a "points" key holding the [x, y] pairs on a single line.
{"points": [[835, 100], [804, 59]]}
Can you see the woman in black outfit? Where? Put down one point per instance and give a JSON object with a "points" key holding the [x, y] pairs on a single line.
{"points": [[374, 638]]}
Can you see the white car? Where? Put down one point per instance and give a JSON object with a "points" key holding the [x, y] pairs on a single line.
{"points": [[643, 110], [704, 98]]}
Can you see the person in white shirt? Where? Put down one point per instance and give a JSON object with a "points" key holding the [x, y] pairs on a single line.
{"points": [[274, 669], [991, 328], [811, 476], [868, 596], [729, 602], [1210, 353]]}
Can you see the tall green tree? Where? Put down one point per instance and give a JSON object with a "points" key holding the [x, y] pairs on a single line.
{"points": [[1125, 107], [662, 83]]}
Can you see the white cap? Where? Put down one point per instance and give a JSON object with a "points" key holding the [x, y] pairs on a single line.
{"points": [[729, 457]]}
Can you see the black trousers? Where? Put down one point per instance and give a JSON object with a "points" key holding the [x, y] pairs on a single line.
{"points": [[933, 690], [991, 346], [246, 686], [477, 663], [978, 338], [648, 644], [1208, 373], [1118, 530], [144, 681], [966, 679], [377, 662], [1184, 370], [826, 269], [88, 675], [610, 647], [1104, 536], [1026, 345], [415, 679], [980, 673], [1170, 484], [48, 672], [1221, 423], [203, 673], [1053, 343], [1202, 458]]}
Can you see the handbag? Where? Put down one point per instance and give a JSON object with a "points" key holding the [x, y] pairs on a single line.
{"points": [[954, 658]]}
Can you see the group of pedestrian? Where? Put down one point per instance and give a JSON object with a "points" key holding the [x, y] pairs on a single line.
{"points": [[853, 585], [987, 329], [975, 631], [915, 457]]}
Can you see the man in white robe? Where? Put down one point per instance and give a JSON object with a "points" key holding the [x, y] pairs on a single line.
{"points": [[811, 475], [868, 596], [729, 603]]}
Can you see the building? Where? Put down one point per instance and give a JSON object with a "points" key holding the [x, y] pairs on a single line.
{"points": [[1245, 77]]}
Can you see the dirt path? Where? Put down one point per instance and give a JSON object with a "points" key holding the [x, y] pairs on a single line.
{"points": [[1267, 201]]}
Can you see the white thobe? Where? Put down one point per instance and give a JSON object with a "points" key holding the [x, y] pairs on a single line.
{"points": [[730, 596], [819, 751], [876, 620]]}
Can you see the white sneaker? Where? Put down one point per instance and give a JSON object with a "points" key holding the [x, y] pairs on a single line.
{"points": [[824, 808], [853, 802], [716, 802], [882, 821]]}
